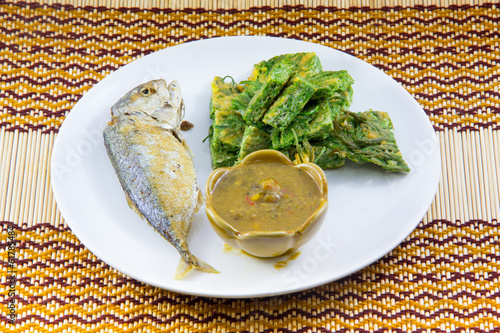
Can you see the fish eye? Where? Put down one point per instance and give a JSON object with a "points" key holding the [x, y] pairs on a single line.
{"points": [[147, 91]]}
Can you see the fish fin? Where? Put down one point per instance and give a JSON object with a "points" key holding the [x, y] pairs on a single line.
{"points": [[186, 266], [200, 201], [176, 99], [190, 152]]}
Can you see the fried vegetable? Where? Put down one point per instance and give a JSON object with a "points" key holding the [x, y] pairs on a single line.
{"points": [[329, 158], [274, 74], [314, 122], [330, 83], [308, 64], [253, 139], [261, 70], [227, 130], [329, 155], [290, 102], [241, 101], [368, 137], [305, 63], [228, 127], [271, 87], [321, 122], [221, 154], [223, 94], [341, 99]]}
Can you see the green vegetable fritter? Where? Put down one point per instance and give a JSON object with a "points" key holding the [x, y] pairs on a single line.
{"points": [[289, 103]]}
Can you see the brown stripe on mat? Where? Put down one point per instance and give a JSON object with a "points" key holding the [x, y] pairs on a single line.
{"points": [[445, 57], [443, 277], [248, 4]]}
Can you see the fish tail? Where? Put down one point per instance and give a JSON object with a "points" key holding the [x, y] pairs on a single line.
{"points": [[190, 262]]}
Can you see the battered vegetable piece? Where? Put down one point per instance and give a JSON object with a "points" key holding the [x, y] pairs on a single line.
{"points": [[227, 130], [274, 82], [315, 122], [274, 74], [329, 158], [291, 105], [290, 102], [368, 137], [261, 70], [253, 139], [222, 155], [306, 63], [223, 94], [321, 125], [228, 126], [341, 99], [329, 83], [266, 197], [241, 101], [329, 154]]}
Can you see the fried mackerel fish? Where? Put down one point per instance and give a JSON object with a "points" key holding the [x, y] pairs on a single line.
{"points": [[290, 104], [154, 164]]}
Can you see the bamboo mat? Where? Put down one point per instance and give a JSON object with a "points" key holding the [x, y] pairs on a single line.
{"points": [[442, 278]]}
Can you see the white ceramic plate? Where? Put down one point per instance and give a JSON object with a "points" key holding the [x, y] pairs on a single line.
{"points": [[370, 211]]}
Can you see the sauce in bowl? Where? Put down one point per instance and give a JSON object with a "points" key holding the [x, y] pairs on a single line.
{"points": [[266, 205], [266, 196]]}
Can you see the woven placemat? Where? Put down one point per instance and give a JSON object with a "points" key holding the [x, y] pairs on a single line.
{"points": [[442, 278]]}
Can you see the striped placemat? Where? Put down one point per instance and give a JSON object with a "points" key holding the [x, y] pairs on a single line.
{"points": [[442, 278]]}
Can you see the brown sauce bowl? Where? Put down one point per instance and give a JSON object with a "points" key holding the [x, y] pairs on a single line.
{"points": [[268, 243]]}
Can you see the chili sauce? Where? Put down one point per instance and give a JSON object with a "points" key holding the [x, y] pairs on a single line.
{"points": [[266, 196]]}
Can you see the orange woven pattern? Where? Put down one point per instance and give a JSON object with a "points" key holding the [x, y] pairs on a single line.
{"points": [[443, 278], [446, 57]]}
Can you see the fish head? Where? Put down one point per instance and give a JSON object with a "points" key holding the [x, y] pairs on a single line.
{"points": [[155, 98]]}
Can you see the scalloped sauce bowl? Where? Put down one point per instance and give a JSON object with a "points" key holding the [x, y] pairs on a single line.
{"points": [[267, 205]]}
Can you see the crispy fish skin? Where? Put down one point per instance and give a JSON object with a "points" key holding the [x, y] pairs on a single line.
{"points": [[154, 164]]}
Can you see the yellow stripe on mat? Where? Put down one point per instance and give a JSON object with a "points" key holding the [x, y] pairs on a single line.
{"points": [[443, 279]]}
